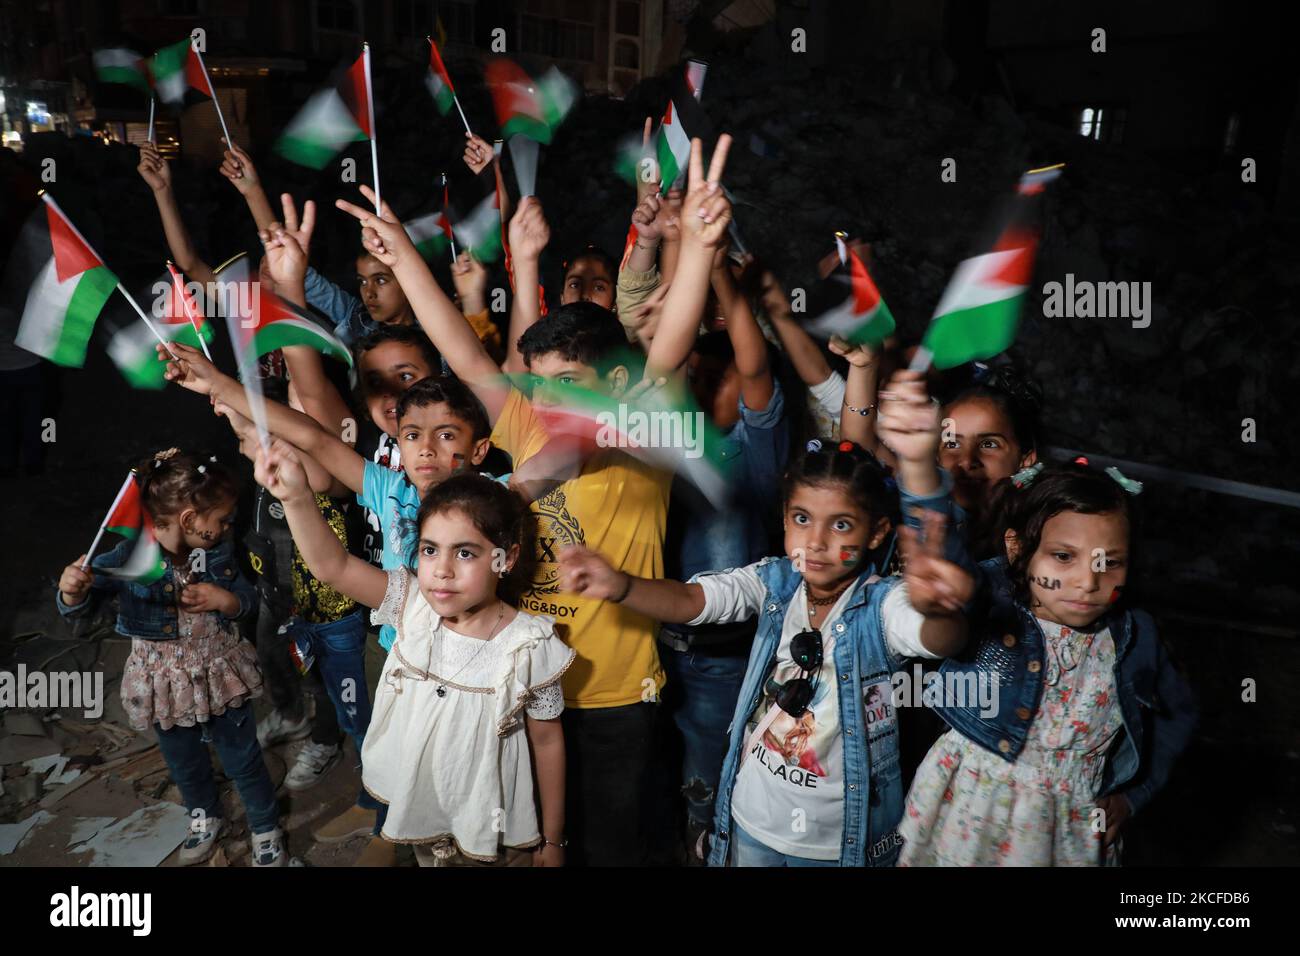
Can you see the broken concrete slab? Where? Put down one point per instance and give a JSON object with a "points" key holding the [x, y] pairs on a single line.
{"points": [[145, 838], [18, 749], [83, 828], [13, 834]]}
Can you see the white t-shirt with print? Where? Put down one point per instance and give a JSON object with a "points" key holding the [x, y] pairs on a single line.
{"points": [[789, 794]]}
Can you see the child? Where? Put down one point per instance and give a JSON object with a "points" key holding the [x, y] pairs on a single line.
{"points": [[445, 750], [811, 775], [189, 672], [1091, 714], [589, 277]]}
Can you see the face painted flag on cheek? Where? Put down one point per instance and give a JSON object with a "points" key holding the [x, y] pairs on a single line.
{"points": [[330, 120], [67, 286], [979, 313]]}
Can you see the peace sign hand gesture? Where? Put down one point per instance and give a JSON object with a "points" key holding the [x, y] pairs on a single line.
{"points": [[382, 235], [706, 211]]}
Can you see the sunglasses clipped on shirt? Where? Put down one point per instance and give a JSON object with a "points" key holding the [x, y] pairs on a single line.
{"points": [[796, 694]]}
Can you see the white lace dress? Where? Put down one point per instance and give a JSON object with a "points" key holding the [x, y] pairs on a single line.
{"points": [[454, 768]]}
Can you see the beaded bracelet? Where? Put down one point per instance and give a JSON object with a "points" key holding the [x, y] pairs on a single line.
{"points": [[864, 412]]}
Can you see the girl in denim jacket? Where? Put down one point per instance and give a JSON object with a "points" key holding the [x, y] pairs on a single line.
{"points": [[1090, 713], [189, 675], [811, 776]]}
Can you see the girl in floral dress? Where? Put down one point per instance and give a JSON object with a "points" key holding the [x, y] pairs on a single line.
{"points": [[1049, 776]]}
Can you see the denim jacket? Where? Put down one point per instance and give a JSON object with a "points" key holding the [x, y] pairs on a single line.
{"points": [[1156, 705], [873, 781], [148, 611], [345, 312]]}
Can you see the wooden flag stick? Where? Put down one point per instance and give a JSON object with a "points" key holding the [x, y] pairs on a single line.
{"points": [[103, 525]]}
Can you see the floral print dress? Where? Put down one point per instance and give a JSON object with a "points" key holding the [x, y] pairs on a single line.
{"points": [[970, 807]]}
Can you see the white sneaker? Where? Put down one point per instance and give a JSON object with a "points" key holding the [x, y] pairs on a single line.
{"points": [[201, 842], [268, 849], [314, 761], [276, 730]]}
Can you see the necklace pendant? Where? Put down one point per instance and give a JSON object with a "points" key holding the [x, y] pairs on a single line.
{"points": [[441, 691]]}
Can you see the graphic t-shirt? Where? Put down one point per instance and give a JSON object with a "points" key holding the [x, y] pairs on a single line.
{"points": [[394, 500], [387, 454], [789, 793], [617, 506]]}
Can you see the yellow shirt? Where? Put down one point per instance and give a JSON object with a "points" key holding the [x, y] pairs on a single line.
{"points": [[617, 506]]}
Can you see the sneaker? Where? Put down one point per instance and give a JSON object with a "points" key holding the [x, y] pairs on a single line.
{"points": [[353, 822], [268, 849], [202, 840], [276, 730], [314, 761]]}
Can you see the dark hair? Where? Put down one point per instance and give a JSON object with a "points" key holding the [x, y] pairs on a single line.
{"points": [[172, 481], [581, 332], [1057, 488], [1014, 393], [848, 464], [449, 391], [592, 252], [403, 334], [498, 513]]}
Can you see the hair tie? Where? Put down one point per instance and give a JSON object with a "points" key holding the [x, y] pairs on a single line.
{"points": [[165, 454], [846, 446], [1025, 476], [814, 445], [1128, 484], [981, 372]]}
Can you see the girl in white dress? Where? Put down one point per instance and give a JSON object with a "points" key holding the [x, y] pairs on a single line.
{"points": [[465, 728]]}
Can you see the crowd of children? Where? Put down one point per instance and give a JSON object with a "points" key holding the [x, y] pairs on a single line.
{"points": [[586, 658]]}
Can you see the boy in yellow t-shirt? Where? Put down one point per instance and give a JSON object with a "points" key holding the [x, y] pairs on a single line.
{"points": [[616, 504]]}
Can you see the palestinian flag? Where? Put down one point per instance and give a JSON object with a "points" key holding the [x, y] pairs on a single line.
{"points": [[126, 516], [145, 563], [119, 65], [431, 234], [480, 231], [178, 74], [275, 324], [524, 107], [667, 433], [980, 310], [67, 285], [330, 120], [177, 317], [439, 82], [672, 148], [863, 318]]}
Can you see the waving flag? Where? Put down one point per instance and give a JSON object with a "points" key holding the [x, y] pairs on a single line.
{"points": [[120, 65], [67, 285], [863, 318], [178, 74], [439, 82], [980, 310], [330, 120], [524, 107], [178, 318], [480, 231], [127, 517], [672, 148], [430, 233]]}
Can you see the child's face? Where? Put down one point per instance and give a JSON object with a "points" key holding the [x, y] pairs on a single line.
{"points": [[827, 534], [387, 371], [553, 368], [588, 280], [456, 564], [1079, 568], [435, 442], [380, 293], [206, 529], [980, 450]]}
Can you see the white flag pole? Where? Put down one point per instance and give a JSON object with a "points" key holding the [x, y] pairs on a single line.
{"points": [[152, 101], [370, 113], [152, 328], [185, 304], [103, 525], [215, 102]]}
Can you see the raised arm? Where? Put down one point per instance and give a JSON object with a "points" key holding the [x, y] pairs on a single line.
{"points": [[451, 335], [529, 234], [193, 371], [238, 167], [747, 341], [280, 472], [584, 572], [805, 356], [858, 417], [156, 172], [704, 218]]}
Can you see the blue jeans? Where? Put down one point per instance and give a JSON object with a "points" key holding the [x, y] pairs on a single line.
{"points": [[340, 648], [234, 734], [746, 851], [701, 697]]}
